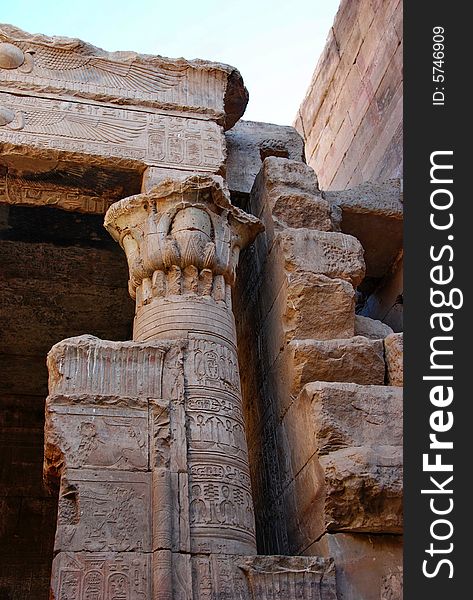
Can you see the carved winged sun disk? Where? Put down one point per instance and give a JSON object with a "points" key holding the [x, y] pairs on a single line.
{"points": [[82, 126], [53, 62]]}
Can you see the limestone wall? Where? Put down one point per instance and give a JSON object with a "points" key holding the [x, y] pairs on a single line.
{"points": [[351, 116]]}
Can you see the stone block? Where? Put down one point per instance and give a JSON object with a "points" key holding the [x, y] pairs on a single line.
{"points": [[355, 360], [277, 172], [71, 68], [371, 328], [342, 415], [319, 307], [106, 574], [373, 213], [104, 511], [308, 306], [363, 488], [368, 566], [346, 459], [110, 138], [94, 436], [327, 253], [249, 143], [394, 349], [128, 366], [285, 194], [301, 210]]}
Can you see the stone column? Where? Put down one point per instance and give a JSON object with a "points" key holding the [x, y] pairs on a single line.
{"points": [[182, 241], [147, 439]]}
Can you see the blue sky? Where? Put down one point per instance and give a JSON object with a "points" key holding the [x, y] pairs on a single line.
{"points": [[274, 43]]}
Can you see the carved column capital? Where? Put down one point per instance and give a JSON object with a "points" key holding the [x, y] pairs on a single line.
{"points": [[183, 236]]}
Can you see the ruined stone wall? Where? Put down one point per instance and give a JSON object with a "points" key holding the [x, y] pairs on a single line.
{"points": [[320, 386], [351, 117]]}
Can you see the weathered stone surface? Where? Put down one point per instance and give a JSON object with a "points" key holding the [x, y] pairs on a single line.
{"points": [[298, 209], [42, 129], [277, 173], [107, 573], [281, 577], [338, 416], [346, 461], [368, 566], [104, 511], [84, 365], [264, 577], [285, 194], [71, 68], [373, 213], [94, 436], [371, 328], [249, 143], [393, 347], [351, 116], [333, 254], [318, 307], [354, 360], [308, 306], [87, 191], [381, 198]]}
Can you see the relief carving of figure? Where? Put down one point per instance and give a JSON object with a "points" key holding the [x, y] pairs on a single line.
{"points": [[227, 508], [197, 508]]}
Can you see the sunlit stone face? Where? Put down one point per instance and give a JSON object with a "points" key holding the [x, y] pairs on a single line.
{"points": [[11, 57]]}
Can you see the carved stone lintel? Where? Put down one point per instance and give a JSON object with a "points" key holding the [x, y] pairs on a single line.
{"points": [[46, 129], [71, 68]]}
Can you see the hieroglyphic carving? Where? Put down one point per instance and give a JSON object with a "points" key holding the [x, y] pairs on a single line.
{"points": [[101, 576], [212, 432], [220, 504], [220, 492], [215, 365], [99, 437], [19, 190], [111, 132], [282, 577], [113, 514]]}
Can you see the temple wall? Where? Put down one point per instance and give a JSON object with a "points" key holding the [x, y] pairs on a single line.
{"points": [[351, 116], [259, 355]]}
